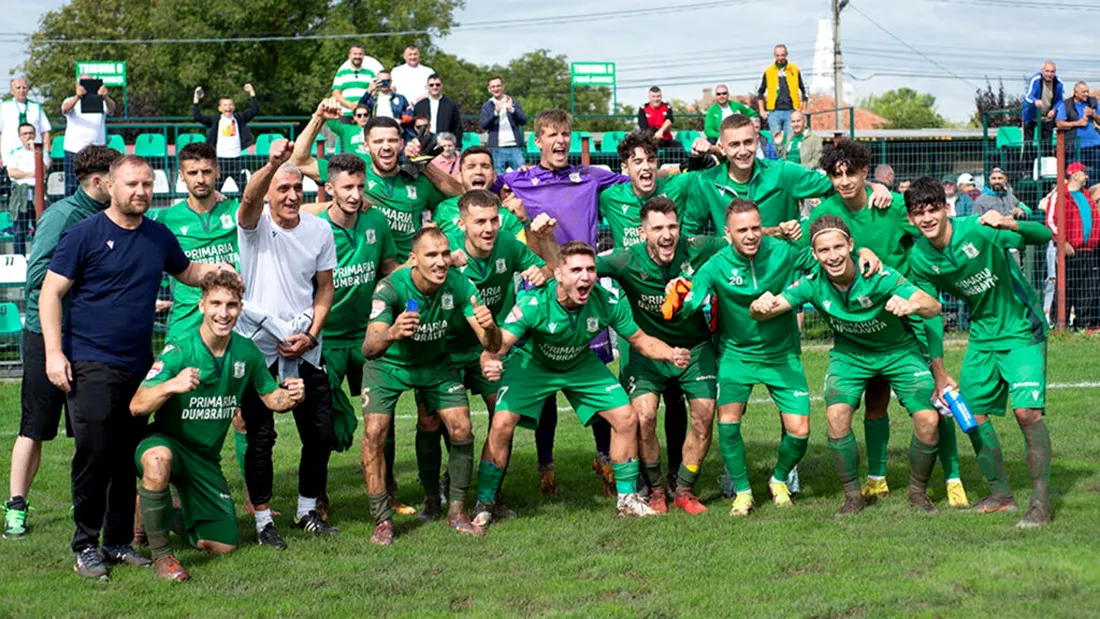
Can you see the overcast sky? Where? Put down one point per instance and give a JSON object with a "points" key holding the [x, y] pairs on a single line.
{"points": [[958, 42]]}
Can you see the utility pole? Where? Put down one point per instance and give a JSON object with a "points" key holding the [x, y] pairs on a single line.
{"points": [[838, 61]]}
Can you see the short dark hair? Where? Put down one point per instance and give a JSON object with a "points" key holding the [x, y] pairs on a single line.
{"points": [[496, 77], [828, 222], [222, 278], [575, 248], [197, 151], [741, 205], [21, 125], [435, 76], [925, 191], [474, 150], [481, 198], [345, 162], [359, 106], [654, 89], [554, 117], [734, 121], [849, 153], [94, 160], [635, 140], [384, 122], [659, 204], [426, 231], [356, 46], [133, 160]]}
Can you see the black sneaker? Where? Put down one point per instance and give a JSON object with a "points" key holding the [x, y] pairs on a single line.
{"points": [[433, 509], [269, 536], [315, 524], [853, 504], [89, 564], [125, 553]]}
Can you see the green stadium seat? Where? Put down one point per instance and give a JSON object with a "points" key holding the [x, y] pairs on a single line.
{"points": [[575, 142], [57, 147], [184, 139], [610, 141], [470, 139], [532, 149], [1010, 137], [151, 145], [687, 137], [11, 324], [116, 142], [264, 141]]}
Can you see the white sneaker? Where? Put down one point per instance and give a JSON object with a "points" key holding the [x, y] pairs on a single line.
{"points": [[633, 506]]}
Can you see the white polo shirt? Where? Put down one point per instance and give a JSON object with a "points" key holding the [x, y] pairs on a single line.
{"points": [[85, 129], [411, 81]]}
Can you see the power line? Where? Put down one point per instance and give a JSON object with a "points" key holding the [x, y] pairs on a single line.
{"points": [[1028, 4]]}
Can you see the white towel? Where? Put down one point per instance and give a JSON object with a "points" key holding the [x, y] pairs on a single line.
{"points": [[267, 332]]}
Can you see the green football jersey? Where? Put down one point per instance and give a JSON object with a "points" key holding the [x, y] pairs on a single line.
{"points": [[622, 207], [558, 338], [885, 231], [736, 281], [495, 280], [359, 253], [644, 281], [975, 267], [439, 312], [352, 140], [200, 418], [858, 315], [403, 201], [204, 237], [446, 217]]}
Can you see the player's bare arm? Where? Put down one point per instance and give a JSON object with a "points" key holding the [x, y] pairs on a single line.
{"points": [[488, 333], [380, 335], [285, 398], [252, 202], [54, 289], [769, 305], [653, 348], [302, 156], [149, 399]]}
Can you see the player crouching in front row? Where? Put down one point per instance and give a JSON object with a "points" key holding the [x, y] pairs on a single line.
{"points": [[195, 387]]}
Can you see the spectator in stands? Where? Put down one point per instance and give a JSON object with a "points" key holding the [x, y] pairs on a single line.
{"points": [[1077, 115], [83, 129], [1082, 238], [949, 189], [503, 118], [764, 147], [352, 79], [422, 124], [903, 185], [448, 159], [781, 92], [967, 192], [16, 111], [382, 101], [227, 131], [410, 80], [1044, 91], [42, 402], [656, 117], [884, 175], [720, 109], [442, 112], [802, 146], [21, 201], [352, 139], [998, 196]]}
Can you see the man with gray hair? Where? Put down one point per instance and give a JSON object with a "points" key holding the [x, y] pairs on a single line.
{"points": [[287, 259], [1043, 93], [21, 110]]}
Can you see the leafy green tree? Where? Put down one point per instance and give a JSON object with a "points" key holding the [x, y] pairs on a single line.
{"points": [[905, 108]]}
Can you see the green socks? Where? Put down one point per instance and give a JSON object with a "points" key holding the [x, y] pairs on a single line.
{"points": [[380, 508], [626, 476], [1037, 438], [948, 449], [732, 448], [686, 477], [489, 478], [429, 459], [791, 450], [461, 467], [651, 472], [156, 515], [846, 457], [877, 434], [922, 458], [988, 449]]}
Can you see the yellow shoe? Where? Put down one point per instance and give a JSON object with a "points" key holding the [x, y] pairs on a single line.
{"points": [[400, 508], [956, 494], [781, 495], [742, 504], [875, 488]]}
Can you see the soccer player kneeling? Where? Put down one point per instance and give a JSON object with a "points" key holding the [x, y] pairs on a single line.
{"points": [[869, 317], [195, 387]]}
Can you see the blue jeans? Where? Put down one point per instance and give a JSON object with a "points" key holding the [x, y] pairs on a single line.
{"points": [[70, 174], [779, 120], [503, 158]]}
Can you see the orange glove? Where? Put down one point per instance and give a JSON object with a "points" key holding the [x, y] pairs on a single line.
{"points": [[675, 293]]}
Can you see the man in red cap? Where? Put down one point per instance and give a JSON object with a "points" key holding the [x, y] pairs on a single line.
{"points": [[1082, 238]]}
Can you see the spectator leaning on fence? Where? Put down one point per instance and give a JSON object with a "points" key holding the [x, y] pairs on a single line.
{"points": [[411, 79], [802, 146], [443, 113], [1044, 91], [83, 129], [227, 131], [656, 117], [722, 107], [352, 79], [17, 110], [503, 118], [1077, 115], [781, 92], [1082, 237]]}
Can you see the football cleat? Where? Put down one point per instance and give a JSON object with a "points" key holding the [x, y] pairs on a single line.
{"points": [[956, 494], [996, 503], [875, 489], [1038, 514], [853, 504], [89, 564], [742, 504], [687, 501], [383, 534], [315, 524], [117, 555], [15, 520], [632, 506], [548, 486], [918, 498], [658, 502], [483, 514], [433, 509], [463, 525], [168, 568], [781, 494], [269, 536]]}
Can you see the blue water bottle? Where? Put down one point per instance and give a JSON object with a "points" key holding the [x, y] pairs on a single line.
{"points": [[959, 410], [412, 306]]}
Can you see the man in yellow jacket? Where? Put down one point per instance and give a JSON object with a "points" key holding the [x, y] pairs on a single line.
{"points": [[781, 92]]}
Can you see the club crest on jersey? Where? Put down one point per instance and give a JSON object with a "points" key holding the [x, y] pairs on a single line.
{"points": [[371, 236], [447, 302], [575, 177], [864, 302], [593, 325], [502, 265], [227, 221], [238, 369], [970, 250], [153, 371], [411, 191]]}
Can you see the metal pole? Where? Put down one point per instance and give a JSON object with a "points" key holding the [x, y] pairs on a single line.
{"points": [[586, 157], [1060, 222], [39, 182], [838, 63]]}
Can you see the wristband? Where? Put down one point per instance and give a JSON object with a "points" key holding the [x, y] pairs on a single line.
{"points": [[312, 341]]}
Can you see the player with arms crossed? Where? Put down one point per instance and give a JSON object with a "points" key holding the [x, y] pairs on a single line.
{"points": [[644, 271], [1005, 359], [869, 317], [195, 388], [559, 320], [412, 311]]}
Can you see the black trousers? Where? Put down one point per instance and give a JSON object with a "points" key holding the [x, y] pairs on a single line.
{"points": [[1046, 129], [314, 420], [1083, 288], [104, 478]]}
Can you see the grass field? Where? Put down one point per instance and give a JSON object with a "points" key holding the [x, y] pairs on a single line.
{"points": [[570, 556]]}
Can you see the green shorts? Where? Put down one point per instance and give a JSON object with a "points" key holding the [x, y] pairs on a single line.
{"points": [[344, 361], [989, 378], [590, 387], [642, 376], [204, 494], [906, 370], [469, 372], [438, 384], [784, 378]]}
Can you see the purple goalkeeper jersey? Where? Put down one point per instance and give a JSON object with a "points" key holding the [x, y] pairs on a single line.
{"points": [[570, 195]]}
